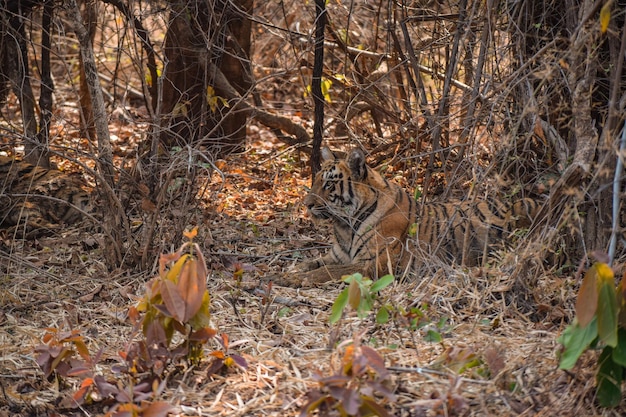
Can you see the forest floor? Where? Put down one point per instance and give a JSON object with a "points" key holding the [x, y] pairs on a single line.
{"points": [[493, 357], [481, 348]]}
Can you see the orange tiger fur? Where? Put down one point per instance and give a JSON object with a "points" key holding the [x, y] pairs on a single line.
{"points": [[373, 219], [35, 201]]}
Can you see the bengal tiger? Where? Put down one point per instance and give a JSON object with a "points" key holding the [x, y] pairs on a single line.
{"points": [[373, 220], [36, 201]]}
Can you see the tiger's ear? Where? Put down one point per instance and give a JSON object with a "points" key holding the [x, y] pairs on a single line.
{"points": [[356, 162], [327, 154]]}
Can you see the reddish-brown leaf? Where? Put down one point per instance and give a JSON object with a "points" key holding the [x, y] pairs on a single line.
{"points": [[155, 333], [354, 294], [173, 300], [82, 349], [351, 400], [78, 370], [81, 393], [133, 314], [240, 361], [374, 360], [105, 388], [200, 265], [191, 288], [495, 360], [587, 301], [156, 409], [215, 366], [218, 354], [202, 335], [167, 258]]}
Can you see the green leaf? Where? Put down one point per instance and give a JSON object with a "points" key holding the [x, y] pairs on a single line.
{"points": [[609, 379], [433, 336], [354, 277], [607, 312], [575, 340], [338, 306], [382, 316], [365, 307], [382, 283], [619, 352]]}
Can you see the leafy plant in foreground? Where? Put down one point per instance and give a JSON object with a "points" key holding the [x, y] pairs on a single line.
{"points": [[356, 389], [57, 356], [224, 360], [600, 322], [174, 319], [359, 294], [176, 302]]}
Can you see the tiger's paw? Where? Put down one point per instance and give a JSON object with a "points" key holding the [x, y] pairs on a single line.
{"points": [[306, 266], [301, 279]]}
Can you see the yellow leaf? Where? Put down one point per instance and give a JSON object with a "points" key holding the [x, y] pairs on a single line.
{"points": [[605, 274], [180, 109], [172, 274], [166, 258], [212, 99], [148, 76], [605, 16], [607, 312], [325, 85]]}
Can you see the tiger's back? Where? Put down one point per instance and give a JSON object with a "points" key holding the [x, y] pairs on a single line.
{"points": [[465, 232], [35, 201], [376, 225]]}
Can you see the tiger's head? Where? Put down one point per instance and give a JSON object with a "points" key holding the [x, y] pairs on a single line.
{"points": [[342, 187]]}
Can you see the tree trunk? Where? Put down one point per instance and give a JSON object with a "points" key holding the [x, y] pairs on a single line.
{"points": [[200, 32], [114, 223], [90, 18], [16, 72]]}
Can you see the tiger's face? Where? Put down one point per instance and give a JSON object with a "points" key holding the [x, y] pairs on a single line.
{"points": [[339, 188]]}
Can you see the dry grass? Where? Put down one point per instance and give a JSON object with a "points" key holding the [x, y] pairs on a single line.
{"points": [[507, 316], [59, 283]]}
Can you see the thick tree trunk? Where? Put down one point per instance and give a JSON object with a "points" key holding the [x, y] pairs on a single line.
{"points": [[90, 18], [16, 70], [201, 32]]}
